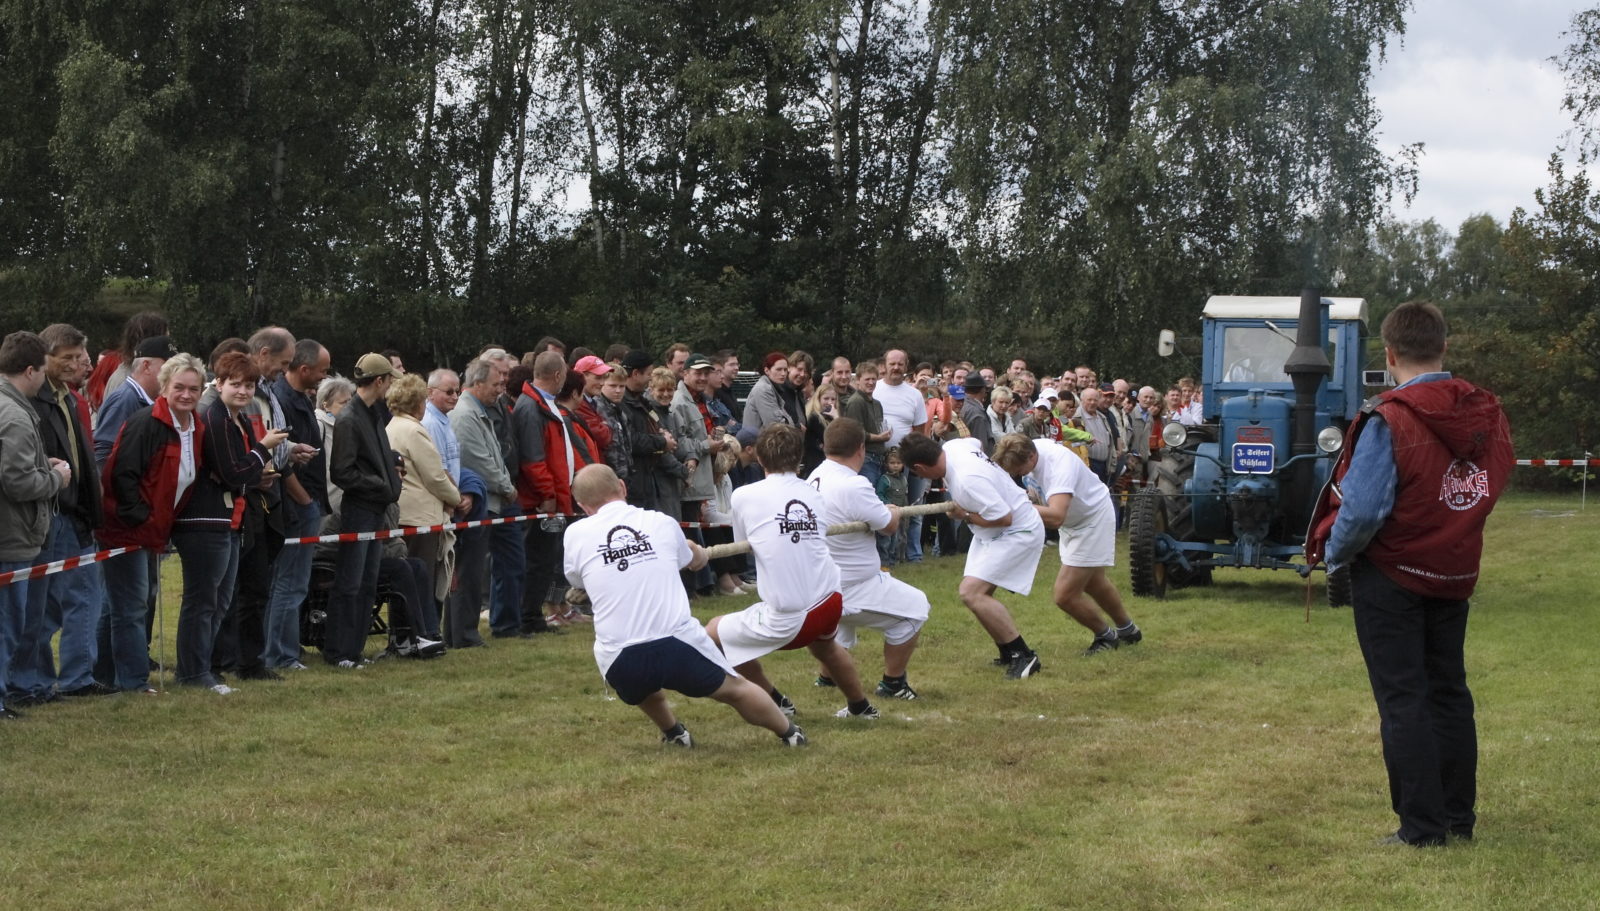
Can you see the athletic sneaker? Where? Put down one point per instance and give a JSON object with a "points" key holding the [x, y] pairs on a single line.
{"points": [[784, 705], [1023, 665], [221, 689], [896, 690], [348, 665], [870, 713], [1131, 636], [797, 739], [825, 681], [681, 738], [1102, 643]]}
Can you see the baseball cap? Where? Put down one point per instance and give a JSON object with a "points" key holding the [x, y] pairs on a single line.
{"points": [[958, 393], [591, 365], [698, 362], [636, 360], [1046, 400], [159, 346], [373, 364]]}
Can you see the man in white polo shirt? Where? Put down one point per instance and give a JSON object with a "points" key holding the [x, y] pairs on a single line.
{"points": [[781, 517], [904, 411], [1007, 537], [1074, 500], [873, 599], [645, 639]]}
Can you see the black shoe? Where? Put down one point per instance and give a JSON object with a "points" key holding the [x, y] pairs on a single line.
{"points": [[1102, 643], [1130, 637], [784, 705], [896, 690], [514, 634], [258, 673], [1023, 665], [92, 688], [1460, 834], [33, 699], [1395, 839], [7, 714], [681, 738], [824, 681]]}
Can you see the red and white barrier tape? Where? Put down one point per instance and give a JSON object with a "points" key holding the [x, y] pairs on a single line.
{"points": [[409, 531], [1558, 463], [62, 565]]}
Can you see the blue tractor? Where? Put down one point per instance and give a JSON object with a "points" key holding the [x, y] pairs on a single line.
{"points": [[1282, 380]]}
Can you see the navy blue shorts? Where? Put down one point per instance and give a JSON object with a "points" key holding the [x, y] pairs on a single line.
{"points": [[663, 664]]}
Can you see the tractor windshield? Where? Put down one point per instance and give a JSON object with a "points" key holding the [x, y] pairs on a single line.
{"points": [[1255, 354]]}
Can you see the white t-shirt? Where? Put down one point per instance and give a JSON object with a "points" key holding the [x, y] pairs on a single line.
{"points": [[627, 559], [847, 497], [1061, 471], [782, 518], [981, 487], [903, 409], [186, 461]]}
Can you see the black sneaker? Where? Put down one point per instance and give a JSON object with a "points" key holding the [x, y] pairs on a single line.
{"points": [[824, 681], [681, 738], [870, 713], [784, 705], [1102, 643], [1023, 665], [1131, 636], [92, 688], [896, 690], [797, 739]]}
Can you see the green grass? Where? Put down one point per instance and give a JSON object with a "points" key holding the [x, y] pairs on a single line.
{"points": [[1231, 760]]}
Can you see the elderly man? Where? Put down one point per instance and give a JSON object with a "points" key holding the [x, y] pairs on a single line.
{"points": [[70, 601], [444, 391], [1103, 451], [508, 560], [307, 488], [699, 441], [544, 481], [29, 482], [480, 454], [138, 390], [975, 411]]}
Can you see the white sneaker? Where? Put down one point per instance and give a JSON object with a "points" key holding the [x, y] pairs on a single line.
{"points": [[297, 666], [349, 665], [221, 689], [870, 713]]}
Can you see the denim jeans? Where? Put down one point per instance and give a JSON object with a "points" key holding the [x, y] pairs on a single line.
{"points": [[508, 572], [210, 561], [872, 469], [13, 608], [68, 602], [291, 579], [123, 653], [916, 489], [355, 586], [472, 569]]}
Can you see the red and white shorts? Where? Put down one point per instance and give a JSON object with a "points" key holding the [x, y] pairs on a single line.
{"points": [[760, 629]]}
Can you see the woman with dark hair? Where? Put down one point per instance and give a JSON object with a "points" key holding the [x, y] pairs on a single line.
{"points": [[211, 531], [802, 380], [516, 378], [112, 367]]}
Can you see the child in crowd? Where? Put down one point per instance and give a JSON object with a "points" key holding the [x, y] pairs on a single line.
{"points": [[891, 489]]}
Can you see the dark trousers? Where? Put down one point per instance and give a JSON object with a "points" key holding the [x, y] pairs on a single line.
{"points": [[508, 572], [425, 550], [242, 640], [543, 549], [1413, 646], [410, 586], [472, 575], [355, 586], [210, 567]]}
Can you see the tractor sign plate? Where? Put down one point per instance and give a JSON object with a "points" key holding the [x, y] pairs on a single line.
{"points": [[1252, 458]]}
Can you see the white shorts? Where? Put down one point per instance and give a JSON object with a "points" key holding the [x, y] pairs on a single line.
{"points": [[1009, 560], [1093, 541], [896, 630], [759, 630]]}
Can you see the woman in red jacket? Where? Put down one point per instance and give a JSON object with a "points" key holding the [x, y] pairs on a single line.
{"points": [[146, 481]]}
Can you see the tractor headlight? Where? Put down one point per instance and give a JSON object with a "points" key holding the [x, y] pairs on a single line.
{"points": [[1330, 439], [1175, 435]]}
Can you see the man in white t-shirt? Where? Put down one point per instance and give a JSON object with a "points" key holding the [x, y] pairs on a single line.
{"points": [[904, 411], [873, 599], [1073, 500], [1007, 537], [645, 639], [781, 517]]}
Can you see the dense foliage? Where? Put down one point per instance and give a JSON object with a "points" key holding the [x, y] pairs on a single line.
{"points": [[1035, 175]]}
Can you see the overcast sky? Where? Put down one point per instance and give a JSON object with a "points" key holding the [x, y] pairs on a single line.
{"points": [[1473, 81]]}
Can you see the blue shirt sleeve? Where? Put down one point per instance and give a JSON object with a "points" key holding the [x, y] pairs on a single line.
{"points": [[1367, 494]]}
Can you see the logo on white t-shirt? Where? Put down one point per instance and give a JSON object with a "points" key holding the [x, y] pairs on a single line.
{"points": [[624, 544], [1464, 485], [797, 521]]}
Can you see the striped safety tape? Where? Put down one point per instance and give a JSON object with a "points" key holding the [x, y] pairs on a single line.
{"points": [[62, 565], [1558, 463]]}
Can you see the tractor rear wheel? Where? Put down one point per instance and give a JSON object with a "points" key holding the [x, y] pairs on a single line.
{"points": [[1146, 522], [1166, 477]]}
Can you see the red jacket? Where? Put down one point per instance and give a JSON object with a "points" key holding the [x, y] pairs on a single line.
{"points": [[542, 439], [1453, 456], [596, 427], [140, 480]]}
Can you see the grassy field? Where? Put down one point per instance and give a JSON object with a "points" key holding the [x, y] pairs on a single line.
{"points": [[1231, 760]]}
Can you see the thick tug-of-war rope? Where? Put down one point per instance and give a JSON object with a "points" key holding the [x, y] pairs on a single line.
{"points": [[734, 548]]}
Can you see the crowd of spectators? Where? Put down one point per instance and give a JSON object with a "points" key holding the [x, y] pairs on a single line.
{"points": [[223, 458]]}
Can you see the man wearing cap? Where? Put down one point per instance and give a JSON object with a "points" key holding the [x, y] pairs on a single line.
{"points": [[593, 370], [975, 411], [699, 440], [363, 466], [138, 390]]}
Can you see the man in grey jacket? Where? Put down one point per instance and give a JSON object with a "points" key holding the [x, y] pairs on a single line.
{"points": [[481, 453], [29, 483], [696, 448]]}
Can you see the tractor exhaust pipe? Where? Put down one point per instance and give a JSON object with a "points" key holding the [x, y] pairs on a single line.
{"points": [[1308, 368]]}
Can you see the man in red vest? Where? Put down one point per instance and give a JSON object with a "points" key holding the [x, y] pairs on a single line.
{"points": [[1404, 515]]}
